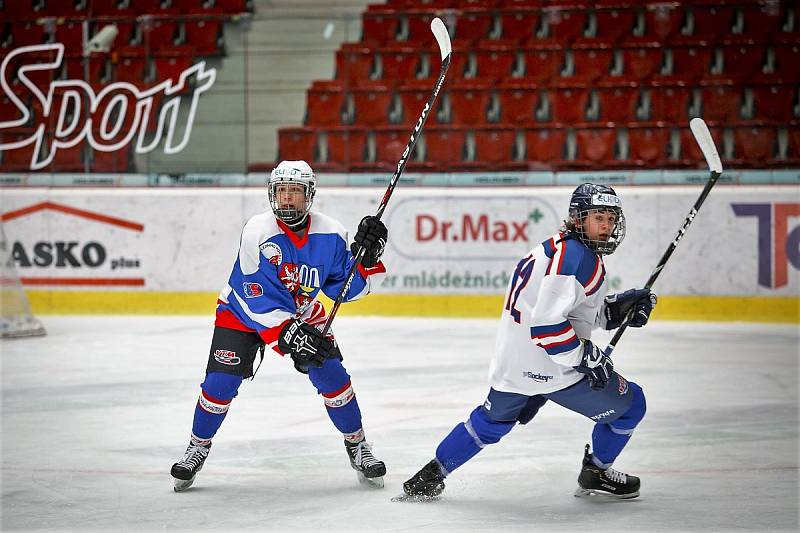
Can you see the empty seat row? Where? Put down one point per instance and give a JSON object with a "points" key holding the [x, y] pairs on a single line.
{"points": [[36, 9], [383, 23], [156, 33], [522, 101], [495, 60], [443, 148], [74, 159]]}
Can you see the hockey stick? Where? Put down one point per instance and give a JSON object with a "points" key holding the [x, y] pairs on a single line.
{"points": [[443, 39], [706, 143]]}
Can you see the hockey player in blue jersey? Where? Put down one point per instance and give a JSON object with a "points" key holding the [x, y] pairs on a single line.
{"points": [[543, 351], [286, 257]]}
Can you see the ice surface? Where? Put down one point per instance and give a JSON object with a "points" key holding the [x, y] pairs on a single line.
{"points": [[94, 414]]}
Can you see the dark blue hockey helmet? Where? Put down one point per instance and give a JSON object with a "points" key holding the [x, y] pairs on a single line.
{"points": [[588, 198]]}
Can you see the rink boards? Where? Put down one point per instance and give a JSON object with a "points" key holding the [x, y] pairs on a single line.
{"points": [[451, 251]]}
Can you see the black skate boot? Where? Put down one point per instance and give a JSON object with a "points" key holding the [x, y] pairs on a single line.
{"points": [[608, 482], [184, 471], [370, 470], [427, 484]]}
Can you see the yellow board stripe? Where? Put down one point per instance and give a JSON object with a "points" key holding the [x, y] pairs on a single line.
{"points": [[713, 308]]}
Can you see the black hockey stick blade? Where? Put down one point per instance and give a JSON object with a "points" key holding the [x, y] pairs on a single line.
{"points": [[439, 31], [709, 149]]}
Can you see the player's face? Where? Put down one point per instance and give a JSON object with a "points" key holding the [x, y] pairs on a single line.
{"points": [[598, 225], [291, 196]]}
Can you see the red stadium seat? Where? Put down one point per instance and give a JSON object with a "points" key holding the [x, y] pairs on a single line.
{"points": [[648, 145], [28, 33], [98, 66], [324, 102], [543, 64], [518, 101], [353, 62], [762, 21], [22, 9], [70, 34], [793, 142], [346, 146], [754, 145], [379, 24], [205, 34], [414, 94], [495, 59], [787, 57], [297, 143], [150, 6], [592, 63], [419, 26], [170, 63], [663, 20], [131, 65], [473, 24], [618, 101], [595, 146], [103, 7], [390, 142], [642, 62], [231, 6], [545, 147], [157, 32], [614, 24], [372, 100], [18, 158], [469, 100], [774, 102], [691, 62], [670, 102], [690, 152], [495, 146], [444, 146], [721, 102], [568, 103], [565, 24], [712, 21], [519, 24], [68, 159], [743, 60], [399, 63], [8, 110], [117, 161]]}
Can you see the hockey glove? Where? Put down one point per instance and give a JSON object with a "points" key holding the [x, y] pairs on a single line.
{"points": [[304, 343], [596, 365], [617, 306], [371, 235]]}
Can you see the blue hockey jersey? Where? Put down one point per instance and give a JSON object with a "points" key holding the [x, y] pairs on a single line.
{"points": [[277, 275]]}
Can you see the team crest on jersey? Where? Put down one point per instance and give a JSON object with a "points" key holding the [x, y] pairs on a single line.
{"points": [[289, 275], [623, 385], [272, 252], [253, 290]]}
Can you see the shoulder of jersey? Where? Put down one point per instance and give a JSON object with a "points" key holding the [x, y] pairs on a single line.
{"points": [[260, 228], [322, 223], [570, 257]]}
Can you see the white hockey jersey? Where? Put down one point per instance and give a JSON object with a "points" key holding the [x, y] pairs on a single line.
{"points": [[554, 299]]}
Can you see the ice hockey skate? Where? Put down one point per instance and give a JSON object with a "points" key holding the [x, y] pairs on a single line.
{"points": [[370, 470], [425, 485], [594, 481], [184, 471]]}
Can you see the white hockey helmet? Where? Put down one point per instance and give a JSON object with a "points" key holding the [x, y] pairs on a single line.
{"points": [[292, 172]]}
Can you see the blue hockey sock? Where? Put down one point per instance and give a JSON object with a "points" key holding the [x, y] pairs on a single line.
{"points": [[609, 439], [216, 394], [333, 383], [468, 438]]}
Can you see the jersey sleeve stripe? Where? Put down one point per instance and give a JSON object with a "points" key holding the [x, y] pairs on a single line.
{"points": [[550, 330], [562, 346], [597, 278]]}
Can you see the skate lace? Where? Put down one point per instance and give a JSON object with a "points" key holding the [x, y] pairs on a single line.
{"points": [[615, 475], [194, 456], [363, 455]]}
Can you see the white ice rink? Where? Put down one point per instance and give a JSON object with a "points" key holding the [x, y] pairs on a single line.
{"points": [[94, 414]]}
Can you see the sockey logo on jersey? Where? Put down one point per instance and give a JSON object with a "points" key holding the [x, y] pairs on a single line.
{"points": [[272, 252], [253, 290]]}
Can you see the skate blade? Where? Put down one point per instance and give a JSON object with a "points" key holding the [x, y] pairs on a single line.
{"points": [[418, 498], [580, 492], [182, 484], [370, 482]]}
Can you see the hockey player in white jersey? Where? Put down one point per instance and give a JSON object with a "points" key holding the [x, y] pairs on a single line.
{"points": [[544, 351], [286, 257]]}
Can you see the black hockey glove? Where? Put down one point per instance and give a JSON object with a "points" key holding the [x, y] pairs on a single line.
{"points": [[304, 343], [596, 365], [371, 235], [618, 305]]}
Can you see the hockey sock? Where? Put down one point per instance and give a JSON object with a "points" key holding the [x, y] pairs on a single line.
{"points": [[468, 438], [608, 440], [333, 383], [216, 394]]}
